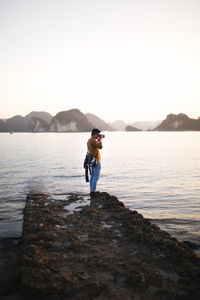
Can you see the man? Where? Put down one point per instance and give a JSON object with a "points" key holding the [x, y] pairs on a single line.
{"points": [[94, 144]]}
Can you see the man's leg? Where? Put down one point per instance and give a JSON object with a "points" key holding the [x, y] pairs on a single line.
{"points": [[95, 177]]}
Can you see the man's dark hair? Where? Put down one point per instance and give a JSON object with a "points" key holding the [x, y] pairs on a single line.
{"points": [[95, 131]]}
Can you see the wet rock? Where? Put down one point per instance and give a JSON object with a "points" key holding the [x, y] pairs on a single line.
{"points": [[82, 248], [192, 245]]}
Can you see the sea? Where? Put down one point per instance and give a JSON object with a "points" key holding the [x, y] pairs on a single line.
{"points": [[155, 173]]}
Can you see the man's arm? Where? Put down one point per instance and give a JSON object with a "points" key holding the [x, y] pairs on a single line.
{"points": [[98, 144]]}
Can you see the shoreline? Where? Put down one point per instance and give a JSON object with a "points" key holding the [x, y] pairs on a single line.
{"points": [[82, 249]]}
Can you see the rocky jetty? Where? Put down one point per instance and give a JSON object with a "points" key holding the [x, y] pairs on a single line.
{"points": [[82, 248], [10, 268], [98, 249]]}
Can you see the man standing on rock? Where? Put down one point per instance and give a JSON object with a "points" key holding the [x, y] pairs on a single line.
{"points": [[94, 144]]}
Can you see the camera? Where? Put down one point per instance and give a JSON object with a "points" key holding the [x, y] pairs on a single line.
{"points": [[100, 136]]}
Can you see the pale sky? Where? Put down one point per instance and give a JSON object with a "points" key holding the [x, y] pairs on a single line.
{"points": [[119, 59]]}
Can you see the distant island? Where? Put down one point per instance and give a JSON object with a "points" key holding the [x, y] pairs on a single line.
{"points": [[132, 128], [180, 122], [74, 120]]}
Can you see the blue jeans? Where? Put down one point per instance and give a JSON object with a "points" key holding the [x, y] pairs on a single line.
{"points": [[95, 176]]}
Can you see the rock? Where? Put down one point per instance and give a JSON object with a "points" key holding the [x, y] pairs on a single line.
{"points": [[180, 122], [70, 121], [10, 269], [98, 249], [98, 123], [24, 124], [38, 125], [192, 245], [132, 128]]}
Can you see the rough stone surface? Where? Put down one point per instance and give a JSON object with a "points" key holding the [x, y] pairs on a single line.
{"points": [[97, 249], [10, 271]]}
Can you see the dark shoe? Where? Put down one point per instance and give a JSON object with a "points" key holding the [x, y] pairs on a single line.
{"points": [[92, 195]]}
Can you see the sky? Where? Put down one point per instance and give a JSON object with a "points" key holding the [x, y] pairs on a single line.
{"points": [[119, 59]]}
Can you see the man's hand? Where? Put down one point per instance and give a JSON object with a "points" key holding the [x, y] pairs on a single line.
{"points": [[100, 137]]}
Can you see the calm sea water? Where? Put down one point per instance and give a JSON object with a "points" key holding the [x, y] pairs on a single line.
{"points": [[156, 173]]}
